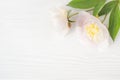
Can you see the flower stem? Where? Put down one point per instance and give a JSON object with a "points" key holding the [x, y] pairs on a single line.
{"points": [[104, 18], [69, 16], [89, 10], [69, 24], [73, 15], [69, 12]]}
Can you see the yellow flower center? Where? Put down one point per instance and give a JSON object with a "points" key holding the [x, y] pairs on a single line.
{"points": [[92, 30]]}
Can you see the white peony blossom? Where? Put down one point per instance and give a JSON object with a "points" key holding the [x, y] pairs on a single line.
{"points": [[60, 20], [91, 30]]}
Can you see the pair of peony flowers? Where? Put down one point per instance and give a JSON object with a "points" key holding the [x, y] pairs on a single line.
{"points": [[92, 31]]}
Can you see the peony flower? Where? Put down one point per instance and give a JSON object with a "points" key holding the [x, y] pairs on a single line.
{"points": [[60, 20], [92, 31]]}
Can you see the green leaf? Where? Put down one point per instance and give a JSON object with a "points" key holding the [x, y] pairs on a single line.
{"points": [[107, 8], [83, 4], [114, 22], [98, 7]]}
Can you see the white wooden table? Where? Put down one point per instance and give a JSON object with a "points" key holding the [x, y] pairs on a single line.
{"points": [[28, 50]]}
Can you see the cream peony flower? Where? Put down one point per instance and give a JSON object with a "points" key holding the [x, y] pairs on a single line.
{"points": [[60, 20], [92, 31]]}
